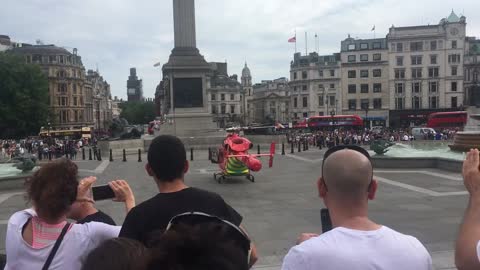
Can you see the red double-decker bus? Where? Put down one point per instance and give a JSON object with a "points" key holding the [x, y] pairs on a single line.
{"points": [[325, 122], [447, 120]]}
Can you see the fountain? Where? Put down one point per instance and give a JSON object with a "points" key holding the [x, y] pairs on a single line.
{"points": [[14, 171], [470, 138]]}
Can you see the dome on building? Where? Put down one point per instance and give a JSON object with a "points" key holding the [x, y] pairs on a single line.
{"points": [[453, 18], [246, 71]]}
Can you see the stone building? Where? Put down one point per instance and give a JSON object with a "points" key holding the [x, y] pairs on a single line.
{"points": [[471, 63], [315, 85], [364, 79], [248, 91], [66, 79], [426, 70], [101, 101], [134, 86], [116, 110], [225, 96], [271, 102]]}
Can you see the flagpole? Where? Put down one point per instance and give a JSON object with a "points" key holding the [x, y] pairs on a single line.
{"points": [[295, 40], [306, 44]]}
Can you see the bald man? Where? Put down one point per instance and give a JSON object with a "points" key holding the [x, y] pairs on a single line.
{"points": [[355, 242]]}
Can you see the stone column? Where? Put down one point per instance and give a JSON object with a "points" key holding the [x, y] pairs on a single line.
{"points": [[184, 23]]}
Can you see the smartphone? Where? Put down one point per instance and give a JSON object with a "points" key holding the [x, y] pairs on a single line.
{"points": [[326, 221], [103, 192]]}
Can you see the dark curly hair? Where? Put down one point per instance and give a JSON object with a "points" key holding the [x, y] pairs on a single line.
{"points": [[53, 188]]}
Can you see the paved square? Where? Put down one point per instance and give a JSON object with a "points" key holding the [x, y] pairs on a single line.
{"points": [[283, 201]]}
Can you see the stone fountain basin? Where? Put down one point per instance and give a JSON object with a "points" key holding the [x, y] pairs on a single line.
{"points": [[13, 178]]}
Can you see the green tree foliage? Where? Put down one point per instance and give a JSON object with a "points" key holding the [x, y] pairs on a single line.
{"points": [[138, 112], [24, 99]]}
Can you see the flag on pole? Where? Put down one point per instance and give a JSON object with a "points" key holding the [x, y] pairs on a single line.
{"points": [[373, 28], [157, 64], [292, 39]]}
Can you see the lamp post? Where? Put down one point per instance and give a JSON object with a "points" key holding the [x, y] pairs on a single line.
{"points": [[367, 123], [332, 114]]}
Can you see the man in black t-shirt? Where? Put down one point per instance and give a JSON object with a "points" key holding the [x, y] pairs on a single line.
{"points": [[167, 164]]}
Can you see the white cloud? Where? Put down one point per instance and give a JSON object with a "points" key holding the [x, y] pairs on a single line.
{"points": [[119, 34]]}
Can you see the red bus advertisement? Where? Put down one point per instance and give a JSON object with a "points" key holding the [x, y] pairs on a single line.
{"points": [[348, 121], [447, 120]]}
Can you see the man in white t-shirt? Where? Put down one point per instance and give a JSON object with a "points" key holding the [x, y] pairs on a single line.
{"points": [[467, 251], [355, 242]]}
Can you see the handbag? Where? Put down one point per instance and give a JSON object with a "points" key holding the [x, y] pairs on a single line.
{"points": [[55, 247]]}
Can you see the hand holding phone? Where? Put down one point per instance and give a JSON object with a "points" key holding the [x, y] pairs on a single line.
{"points": [[103, 192]]}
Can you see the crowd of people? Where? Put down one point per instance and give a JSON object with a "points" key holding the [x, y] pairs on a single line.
{"points": [[188, 228]]}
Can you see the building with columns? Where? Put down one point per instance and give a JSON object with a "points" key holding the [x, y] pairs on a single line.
{"points": [[271, 102], [426, 70], [315, 85], [101, 101], [364, 80]]}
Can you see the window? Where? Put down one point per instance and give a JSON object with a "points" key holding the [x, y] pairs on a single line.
{"points": [[364, 88], [433, 87], [416, 102], [399, 47], [433, 45], [399, 73], [454, 58], [320, 86], [416, 73], [433, 72], [304, 74], [363, 46], [377, 103], [29, 59], [364, 73], [304, 102], [37, 58], [399, 87], [352, 58], [352, 74], [214, 109], [305, 115], [454, 86], [332, 100], [377, 87], [294, 75], [433, 59], [320, 73], [364, 104], [433, 101], [332, 85], [416, 46], [377, 73], [75, 101], [352, 88], [377, 57], [222, 97], [51, 59], [416, 60], [399, 60], [294, 89], [232, 96], [352, 104], [223, 109], [351, 47], [377, 45], [320, 100], [454, 102], [399, 102], [454, 44], [416, 87], [62, 87], [304, 88], [363, 57], [232, 109], [62, 59], [295, 102], [332, 72], [214, 97], [74, 88], [454, 70]]}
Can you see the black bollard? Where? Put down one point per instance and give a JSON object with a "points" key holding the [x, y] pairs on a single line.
{"points": [[39, 155], [191, 154], [111, 155], [258, 149], [291, 150], [283, 149], [99, 153], [306, 145], [49, 155], [209, 153], [299, 147], [83, 153], [90, 154], [124, 156], [139, 155]]}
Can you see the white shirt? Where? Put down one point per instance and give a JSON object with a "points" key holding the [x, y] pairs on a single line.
{"points": [[346, 249], [78, 242]]}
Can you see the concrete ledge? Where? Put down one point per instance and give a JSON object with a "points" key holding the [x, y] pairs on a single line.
{"points": [[13, 183], [417, 163]]}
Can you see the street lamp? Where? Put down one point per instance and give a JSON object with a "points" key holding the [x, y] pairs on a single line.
{"points": [[367, 123], [332, 114]]}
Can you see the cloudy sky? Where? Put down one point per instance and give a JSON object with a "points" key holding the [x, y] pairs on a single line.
{"points": [[118, 34]]}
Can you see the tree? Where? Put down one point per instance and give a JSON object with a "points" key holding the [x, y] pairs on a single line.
{"points": [[138, 112], [24, 102]]}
